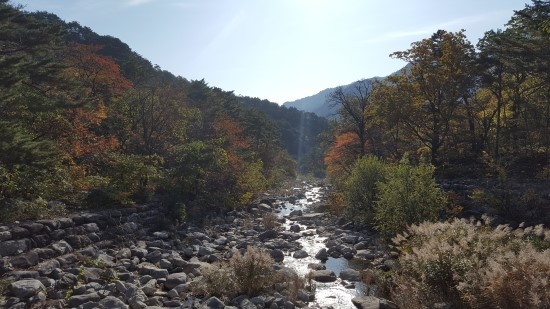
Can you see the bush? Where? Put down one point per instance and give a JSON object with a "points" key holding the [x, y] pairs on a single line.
{"points": [[472, 266], [248, 273], [361, 188], [19, 210], [408, 196], [253, 270]]}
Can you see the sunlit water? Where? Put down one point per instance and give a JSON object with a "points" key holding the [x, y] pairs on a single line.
{"points": [[327, 295]]}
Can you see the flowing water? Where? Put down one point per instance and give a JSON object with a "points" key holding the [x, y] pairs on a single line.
{"points": [[327, 295]]}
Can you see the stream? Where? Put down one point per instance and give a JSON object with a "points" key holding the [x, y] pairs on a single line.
{"points": [[337, 294]]}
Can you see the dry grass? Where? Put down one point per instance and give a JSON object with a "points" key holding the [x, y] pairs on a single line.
{"points": [[269, 220], [470, 265]]}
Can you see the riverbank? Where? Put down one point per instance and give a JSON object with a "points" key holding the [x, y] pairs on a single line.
{"points": [[123, 260]]}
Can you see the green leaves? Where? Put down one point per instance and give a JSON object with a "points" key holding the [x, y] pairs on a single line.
{"points": [[408, 196]]}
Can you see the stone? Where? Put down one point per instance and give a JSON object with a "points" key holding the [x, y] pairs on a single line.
{"points": [[269, 234], [296, 213], [154, 256], [350, 275], [221, 241], [316, 266], [62, 247], [175, 279], [14, 247], [323, 275], [112, 302], [150, 287], [47, 267], [300, 254], [19, 232], [153, 271], [91, 227], [371, 302], [264, 207], [26, 288], [322, 254], [77, 300], [212, 303], [295, 228], [277, 255], [78, 241], [25, 261]]}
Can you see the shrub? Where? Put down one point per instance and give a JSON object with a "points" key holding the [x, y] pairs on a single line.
{"points": [[248, 273], [253, 270], [408, 196], [18, 210], [269, 220], [472, 266], [361, 190]]}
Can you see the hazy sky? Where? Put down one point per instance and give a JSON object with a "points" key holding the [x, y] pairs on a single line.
{"points": [[280, 50]]}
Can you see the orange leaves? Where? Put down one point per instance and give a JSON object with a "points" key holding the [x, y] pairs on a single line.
{"points": [[232, 131], [80, 138], [342, 154], [99, 74]]}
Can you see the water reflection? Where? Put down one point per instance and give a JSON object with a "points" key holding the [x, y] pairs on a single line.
{"points": [[327, 295]]}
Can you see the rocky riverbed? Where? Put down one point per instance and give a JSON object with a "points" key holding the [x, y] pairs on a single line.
{"points": [[120, 259]]}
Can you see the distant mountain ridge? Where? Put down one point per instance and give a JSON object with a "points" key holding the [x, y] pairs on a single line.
{"points": [[318, 103]]}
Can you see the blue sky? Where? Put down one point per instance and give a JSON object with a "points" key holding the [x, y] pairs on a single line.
{"points": [[280, 50]]}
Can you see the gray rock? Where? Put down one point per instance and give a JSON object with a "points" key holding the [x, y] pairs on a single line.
{"points": [[264, 207], [300, 254], [221, 241], [112, 302], [350, 275], [295, 228], [204, 251], [154, 256], [25, 261], [213, 303], [5, 235], [269, 234], [296, 213], [323, 276], [124, 253], [77, 300], [322, 254], [14, 247], [47, 267], [175, 279], [277, 255], [26, 288], [161, 235], [150, 287], [371, 302], [153, 271], [316, 266], [62, 247]]}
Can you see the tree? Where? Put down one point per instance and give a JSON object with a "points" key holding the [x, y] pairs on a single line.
{"points": [[441, 82], [352, 107], [408, 196]]}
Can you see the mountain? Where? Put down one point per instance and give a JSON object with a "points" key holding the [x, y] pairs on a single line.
{"points": [[319, 104]]}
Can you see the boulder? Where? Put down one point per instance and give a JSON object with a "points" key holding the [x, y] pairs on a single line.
{"points": [[213, 303], [322, 254], [350, 275], [26, 288], [277, 255], [295, 228], [371, 302], [300, 254], [269, 234], [323, 276], [264, 207], [174, 280]]}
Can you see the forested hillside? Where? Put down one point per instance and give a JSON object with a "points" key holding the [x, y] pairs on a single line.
{"points": [[87, 122]]}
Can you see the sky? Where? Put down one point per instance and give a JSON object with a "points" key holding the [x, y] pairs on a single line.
{"points": [[280, 50]]}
